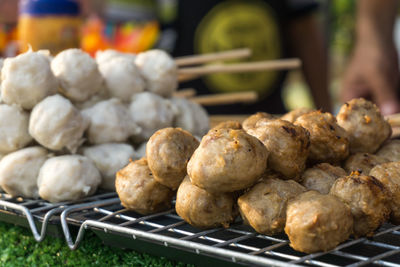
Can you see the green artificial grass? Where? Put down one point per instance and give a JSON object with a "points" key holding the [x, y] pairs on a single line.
{"points": [[19, 248]]}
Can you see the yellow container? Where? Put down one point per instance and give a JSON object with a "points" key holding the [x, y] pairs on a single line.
{"points": [[49, 25]]}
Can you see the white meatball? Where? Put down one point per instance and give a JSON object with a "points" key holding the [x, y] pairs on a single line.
{"points": [[55, 123], [110, 122], [159, 71], [108, 54], [94, 99], [141, 150], [191, 116], [1, 65], [13, 128], [27, 79], [19, 171], [122, 77], [109, 158], [69, 177], [77, 73], [151, 112]]}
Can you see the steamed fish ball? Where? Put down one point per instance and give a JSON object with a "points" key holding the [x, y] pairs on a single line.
{"points": [[13, 128], [19, 171], [122, 77], [191, 116], [77, 73], [27, 79], [109, 159], [109, 54], [69, 177], [151, 112], [55, 123], [109, 122], [159, 71]]}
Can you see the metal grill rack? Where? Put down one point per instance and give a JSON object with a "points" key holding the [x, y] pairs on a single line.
{"points": [[237, 244], [35, 212]]}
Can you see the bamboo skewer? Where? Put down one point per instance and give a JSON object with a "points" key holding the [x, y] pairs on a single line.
{"points": [[224, 99], [185, 93], [205, 58], [282, 64]]}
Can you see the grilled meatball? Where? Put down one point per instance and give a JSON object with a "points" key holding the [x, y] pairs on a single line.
{"points": [[109, 159], [321, 177], [329, 141], [159, 72], [227, 160], [203, 209], [390, 150], [228, 125], [110, 122], [14, 123], [168, 152], [251, 121], [367, 198], [55, 123], [287, 144], [294, 114], [19, 171], [27, 79], [77, 73], [365, 125], [362, 162], [264, 206], [66, 178], [139, 191], [317, 222], [389, 175]]}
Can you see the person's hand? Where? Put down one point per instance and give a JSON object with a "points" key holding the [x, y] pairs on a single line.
{"points": [[373, 73]]}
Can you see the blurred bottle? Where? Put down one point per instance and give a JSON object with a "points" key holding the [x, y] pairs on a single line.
{"points": [[49, 24]]}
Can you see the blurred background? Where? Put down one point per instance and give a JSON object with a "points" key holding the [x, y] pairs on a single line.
{"points": [[139, 25]]}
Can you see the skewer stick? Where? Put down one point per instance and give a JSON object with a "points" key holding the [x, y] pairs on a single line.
{"points": [[224, 99], [185, 78], [185, 93], [394, 120], [205, 58], [281, 64]]}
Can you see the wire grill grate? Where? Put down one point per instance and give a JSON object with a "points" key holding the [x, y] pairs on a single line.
{"points": [[381, 249]]}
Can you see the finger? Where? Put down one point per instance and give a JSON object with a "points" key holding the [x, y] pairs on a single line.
{"points": [[385, 95]]}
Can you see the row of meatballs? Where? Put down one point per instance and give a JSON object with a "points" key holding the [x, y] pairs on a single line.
{"points": [[258, 170]]}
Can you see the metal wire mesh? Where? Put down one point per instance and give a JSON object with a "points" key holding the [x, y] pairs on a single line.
{"points": [[238, 243]]}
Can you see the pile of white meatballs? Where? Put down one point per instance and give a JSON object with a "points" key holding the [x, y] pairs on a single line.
{"points": [[69, 123], [318, 177]]}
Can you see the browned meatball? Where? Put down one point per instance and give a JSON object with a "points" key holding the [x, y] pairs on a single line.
{"points": [[168, 152], [362, 162], [138, 190], [294, 114], [251, 121], [365, 124], [321, 177], [287, 144], [202, 209], [389, 175], [329, 141], [264, 206], [228, 124], [227, 160], [367, 198], [317, 222], [390, 150]]}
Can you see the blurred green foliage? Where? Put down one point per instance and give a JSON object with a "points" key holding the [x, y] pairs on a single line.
{"points": [[19, 248], [343, 14]]}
